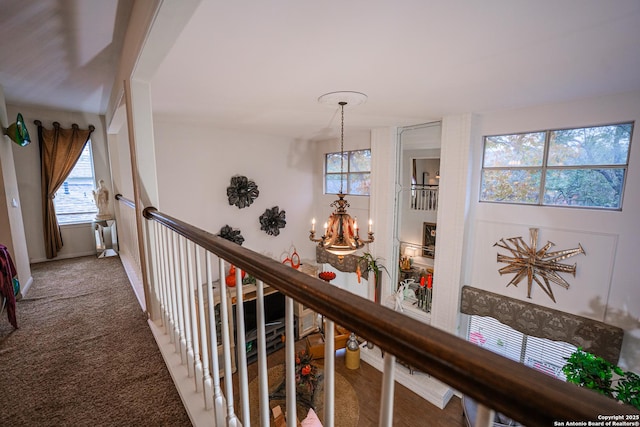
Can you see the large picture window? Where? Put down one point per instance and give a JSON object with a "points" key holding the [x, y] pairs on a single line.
{"points": [[351, 173], [583, 167]]}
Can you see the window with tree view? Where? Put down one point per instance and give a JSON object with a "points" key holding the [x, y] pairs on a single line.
{"points": [[350, 174], [583, 167]]}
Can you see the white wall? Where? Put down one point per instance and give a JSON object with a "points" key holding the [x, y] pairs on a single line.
{"points": [[605, 286], [196, 163], [78, 239], [11, 223], [120, 155]]}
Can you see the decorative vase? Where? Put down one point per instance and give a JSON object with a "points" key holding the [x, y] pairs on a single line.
{"points": [[352, 356]]}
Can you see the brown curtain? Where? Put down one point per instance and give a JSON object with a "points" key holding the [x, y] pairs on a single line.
{"points": [[60, 149]]}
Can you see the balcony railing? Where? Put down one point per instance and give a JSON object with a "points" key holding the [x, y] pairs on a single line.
{"points": [[185, 261], [424, 197]]}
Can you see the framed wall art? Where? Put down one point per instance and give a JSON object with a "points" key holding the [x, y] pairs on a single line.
{"points": [[429, 239]]}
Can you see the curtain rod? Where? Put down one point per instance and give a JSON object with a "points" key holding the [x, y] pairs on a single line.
{"points": [[57, 125]]}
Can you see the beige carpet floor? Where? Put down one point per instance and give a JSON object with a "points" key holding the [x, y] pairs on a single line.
{"points": [[83, 354]]}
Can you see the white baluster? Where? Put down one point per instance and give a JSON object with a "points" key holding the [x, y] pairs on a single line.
{"points": [[158, 270], [175, 295], [262, 356], [386, 398], [414, 198], [173, 283], [168, 259], [202, 332], [232, 419], [241, 350], [194, 321], [189, 308], [180, 293], [159, 281], [329, 372], [218, 398], [171, 295], [290, 365]]}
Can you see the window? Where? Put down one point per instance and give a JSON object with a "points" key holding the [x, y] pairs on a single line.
{"points": [[356, 178], [584, 167], [74, 199], [541, 354]]}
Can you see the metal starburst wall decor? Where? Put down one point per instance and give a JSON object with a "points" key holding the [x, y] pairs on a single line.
{"points": [[536, 265]]}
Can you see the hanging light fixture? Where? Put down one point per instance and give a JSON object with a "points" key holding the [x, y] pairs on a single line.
{"points": [[341, 233]]}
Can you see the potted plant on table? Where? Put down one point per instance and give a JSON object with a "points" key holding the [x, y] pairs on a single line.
{"points": [[374, 265]]}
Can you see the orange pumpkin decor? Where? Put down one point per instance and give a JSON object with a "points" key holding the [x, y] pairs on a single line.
{"points": [[230, 280]]}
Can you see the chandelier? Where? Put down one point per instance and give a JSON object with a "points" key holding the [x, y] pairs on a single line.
{"points": [[341, 233]]}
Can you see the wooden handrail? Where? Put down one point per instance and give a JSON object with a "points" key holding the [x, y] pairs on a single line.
{"points": [[126, 201], [509, 387]]}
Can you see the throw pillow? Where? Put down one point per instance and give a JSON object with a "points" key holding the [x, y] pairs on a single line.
{"points": [[311, 420]]}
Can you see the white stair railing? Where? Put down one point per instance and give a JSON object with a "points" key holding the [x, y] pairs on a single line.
{"points": [[190, 320], [177, 282]]}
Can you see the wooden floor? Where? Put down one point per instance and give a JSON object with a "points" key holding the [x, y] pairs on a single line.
{"points": [[409, 408]]}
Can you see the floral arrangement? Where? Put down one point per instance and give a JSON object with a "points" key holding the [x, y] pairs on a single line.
{"points": [[327, 275], [306, 374]]}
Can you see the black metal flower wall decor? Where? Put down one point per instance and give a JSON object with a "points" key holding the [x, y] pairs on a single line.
{"points": [[272, 220], [232, 235], [242, 191]]}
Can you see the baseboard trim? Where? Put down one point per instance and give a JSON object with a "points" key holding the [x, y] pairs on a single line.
{"points": [[59, 257], [24, 288]]}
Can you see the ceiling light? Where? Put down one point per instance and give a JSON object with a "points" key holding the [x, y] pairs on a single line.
{"points": [[341, 232]]}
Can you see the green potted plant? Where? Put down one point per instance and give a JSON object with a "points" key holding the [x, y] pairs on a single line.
{"points": [[593, 372], [373, 264]]}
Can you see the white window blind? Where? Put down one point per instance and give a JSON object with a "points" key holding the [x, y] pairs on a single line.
{"points": [[547, 356], [541, 354]]}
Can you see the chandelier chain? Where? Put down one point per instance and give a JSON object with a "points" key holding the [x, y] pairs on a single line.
{"points": [[341, 234], [342, 104]]}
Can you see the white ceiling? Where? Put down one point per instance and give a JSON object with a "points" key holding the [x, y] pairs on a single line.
{"points": [[61, 54], [261, 65]]}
